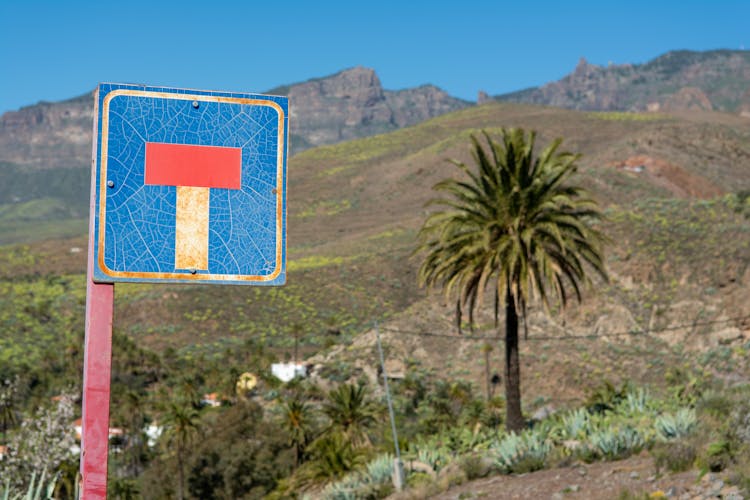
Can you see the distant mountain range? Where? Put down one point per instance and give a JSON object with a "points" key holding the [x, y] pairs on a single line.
{"points": [[716, 80], [347, 105], [353, 103]]}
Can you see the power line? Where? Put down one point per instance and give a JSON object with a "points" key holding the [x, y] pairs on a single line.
{"points": [[630, 333]]}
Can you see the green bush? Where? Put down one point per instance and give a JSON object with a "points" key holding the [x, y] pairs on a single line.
{"points": [[674, 456], [474, 466], [717, 456]]}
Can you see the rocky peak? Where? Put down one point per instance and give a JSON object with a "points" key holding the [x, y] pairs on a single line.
{"points": [[675, 80], [353, 103], [359, 83], [583, 68], [47, 133]]}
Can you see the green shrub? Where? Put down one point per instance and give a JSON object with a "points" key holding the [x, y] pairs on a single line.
{"points": [[740, 418], [629, 495], [606, 397], [715, 404], [674, 457], [717, 456], [474, 466]]}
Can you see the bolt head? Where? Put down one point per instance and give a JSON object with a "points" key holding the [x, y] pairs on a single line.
{"points": [[111, 184], [196, 104]]}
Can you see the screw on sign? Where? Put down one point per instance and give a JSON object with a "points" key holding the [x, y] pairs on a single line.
{"points": [[188, 186]]}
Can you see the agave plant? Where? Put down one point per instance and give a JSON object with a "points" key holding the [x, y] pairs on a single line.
{"points": [[359, 484], [522, 452], [674, 426], [576, 424], [636, 402], [341, 490], [380, 469], [462, 440], [433, 453], [35, 491], [613, 443]]}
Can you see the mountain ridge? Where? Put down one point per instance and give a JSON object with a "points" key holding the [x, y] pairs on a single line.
{"points": [[676, 80], [346, 105], [353, 103]]}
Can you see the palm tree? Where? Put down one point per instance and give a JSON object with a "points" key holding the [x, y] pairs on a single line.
{"points": [[8, 395], [351, 412], [181, 423], [333, 456], [512, 224], [297, 421]]}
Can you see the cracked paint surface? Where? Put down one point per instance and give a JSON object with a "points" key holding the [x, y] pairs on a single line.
{"points": [[138, 224]]}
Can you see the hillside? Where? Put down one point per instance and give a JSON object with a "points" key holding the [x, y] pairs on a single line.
{"points": [[678, 80], [673, 321], [680, 260], [45, 148]]}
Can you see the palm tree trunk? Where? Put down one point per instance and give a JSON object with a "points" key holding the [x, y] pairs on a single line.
{"points": [[513, 416], [180, 467], [459, 316], [487, 379]]}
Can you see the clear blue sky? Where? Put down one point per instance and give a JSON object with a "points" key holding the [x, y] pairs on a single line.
{"points": [[53, 50]]}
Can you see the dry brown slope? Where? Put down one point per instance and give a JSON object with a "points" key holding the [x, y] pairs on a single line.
{"points": [[679, 264], [358, 186]]}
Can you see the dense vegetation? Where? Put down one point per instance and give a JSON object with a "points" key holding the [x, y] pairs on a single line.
{"points": [[679, 267], [282, 438]]}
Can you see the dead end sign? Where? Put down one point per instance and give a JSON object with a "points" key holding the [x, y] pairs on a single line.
{"points": [[190, 186]]}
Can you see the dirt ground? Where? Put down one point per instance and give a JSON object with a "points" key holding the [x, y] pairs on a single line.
{"points": [[630, 478]]}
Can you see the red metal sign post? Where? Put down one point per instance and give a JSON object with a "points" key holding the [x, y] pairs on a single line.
{"points": [[128, 216], [96, 378], [97, 363]]}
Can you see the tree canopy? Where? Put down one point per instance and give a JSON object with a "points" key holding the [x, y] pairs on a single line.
{"points": [[512, 222]]}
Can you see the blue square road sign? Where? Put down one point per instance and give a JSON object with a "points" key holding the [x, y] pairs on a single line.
{"points": [[189, 186]]}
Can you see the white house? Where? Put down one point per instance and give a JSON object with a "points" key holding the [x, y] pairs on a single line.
{"points": [[287, 371]]}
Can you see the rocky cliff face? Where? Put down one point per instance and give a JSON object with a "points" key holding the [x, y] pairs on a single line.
{"points": [[680, 80], [344, 106], [48, 134], [353, 104]]}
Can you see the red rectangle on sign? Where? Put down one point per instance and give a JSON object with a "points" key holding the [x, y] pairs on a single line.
{"points": [[190, 165]]}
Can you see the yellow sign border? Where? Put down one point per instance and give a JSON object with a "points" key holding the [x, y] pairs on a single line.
{"points": [[280, 188]]}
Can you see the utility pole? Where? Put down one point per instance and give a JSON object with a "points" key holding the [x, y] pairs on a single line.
{"points": [[398, 472]]}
